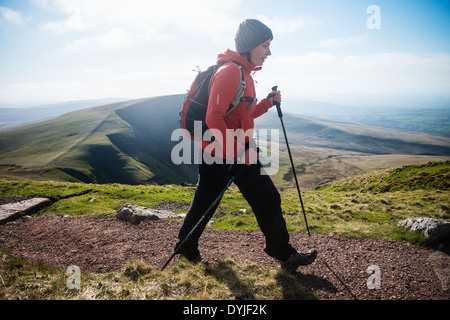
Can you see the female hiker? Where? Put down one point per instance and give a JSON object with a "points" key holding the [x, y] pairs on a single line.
{"points": [[252, 40]]}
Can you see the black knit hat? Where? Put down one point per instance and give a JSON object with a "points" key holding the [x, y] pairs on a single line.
{"points": [[250, 34]]}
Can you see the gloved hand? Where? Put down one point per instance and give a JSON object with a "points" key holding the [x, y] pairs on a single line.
{"points": [[274, 96]]}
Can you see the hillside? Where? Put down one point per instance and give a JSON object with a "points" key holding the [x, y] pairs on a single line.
{"points": [[130, 142], [126, 142], [428, 176]]}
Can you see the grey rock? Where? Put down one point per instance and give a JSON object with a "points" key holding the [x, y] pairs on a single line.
{"points": [[14, 210], [436, 230], [136, 214]]}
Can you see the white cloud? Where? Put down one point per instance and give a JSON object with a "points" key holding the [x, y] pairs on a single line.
{"points": [[158, 43], [314, 75], [282, 26], [12, 16], [113, 39], [143, 16], [101, 82], [31, 92], [309, 59], [398, 60], [162, 25], [75, 21], [319, 74], [97, 70], [340, 42]]}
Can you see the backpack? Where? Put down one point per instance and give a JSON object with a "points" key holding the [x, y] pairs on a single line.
{"points": [[195, 104]]}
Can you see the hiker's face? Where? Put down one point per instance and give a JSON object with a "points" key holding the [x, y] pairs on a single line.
{"points": [[259, 54]]}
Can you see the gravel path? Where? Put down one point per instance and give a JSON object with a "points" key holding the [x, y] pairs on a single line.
{"points": [[103, 244]]}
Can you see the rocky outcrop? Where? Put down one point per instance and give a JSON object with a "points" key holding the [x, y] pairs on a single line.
{"points": [[136, 214], [12, 211], [435, 230]]}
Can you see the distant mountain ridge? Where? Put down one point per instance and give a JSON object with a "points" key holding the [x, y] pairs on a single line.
{"points": [[16, 117], [427, 119], [424, 117], [356, 137], [130, 142]]}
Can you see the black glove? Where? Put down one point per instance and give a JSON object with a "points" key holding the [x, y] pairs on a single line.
{"points": [[271, 95]]}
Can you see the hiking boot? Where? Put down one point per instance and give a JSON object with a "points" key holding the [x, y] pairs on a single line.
{"points": [[297, 259], [194, 258]]}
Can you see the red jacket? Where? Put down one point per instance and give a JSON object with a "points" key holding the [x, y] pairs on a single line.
{"points": [[223, 88]]}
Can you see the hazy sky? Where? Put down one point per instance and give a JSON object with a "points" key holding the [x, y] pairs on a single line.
{"points": [[61, 50]]}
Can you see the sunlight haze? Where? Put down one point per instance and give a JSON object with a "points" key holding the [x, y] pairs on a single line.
{"points": [[333, 51]]}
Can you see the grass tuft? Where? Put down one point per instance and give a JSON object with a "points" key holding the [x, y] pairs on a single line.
{"points": [[227, 280]]}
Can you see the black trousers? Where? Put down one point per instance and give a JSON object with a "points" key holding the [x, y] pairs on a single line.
{"points": [[259, 191]]}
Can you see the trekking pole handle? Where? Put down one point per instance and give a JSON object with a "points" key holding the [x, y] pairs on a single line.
{"points": [[277, 104]]}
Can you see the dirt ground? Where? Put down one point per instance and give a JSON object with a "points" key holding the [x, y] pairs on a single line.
{"points": [[103, 244]]}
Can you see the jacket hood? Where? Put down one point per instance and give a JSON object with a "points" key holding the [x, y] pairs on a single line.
{"points": [[230, 55]]}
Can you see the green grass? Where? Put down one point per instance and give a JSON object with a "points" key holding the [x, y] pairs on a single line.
{"points": [[428, 176], [226, 280], [80, 199], [369, 215], [351, 207]]}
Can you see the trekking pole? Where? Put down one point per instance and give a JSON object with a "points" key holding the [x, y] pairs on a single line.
{"points": [[178, 249], [280, 115]]}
